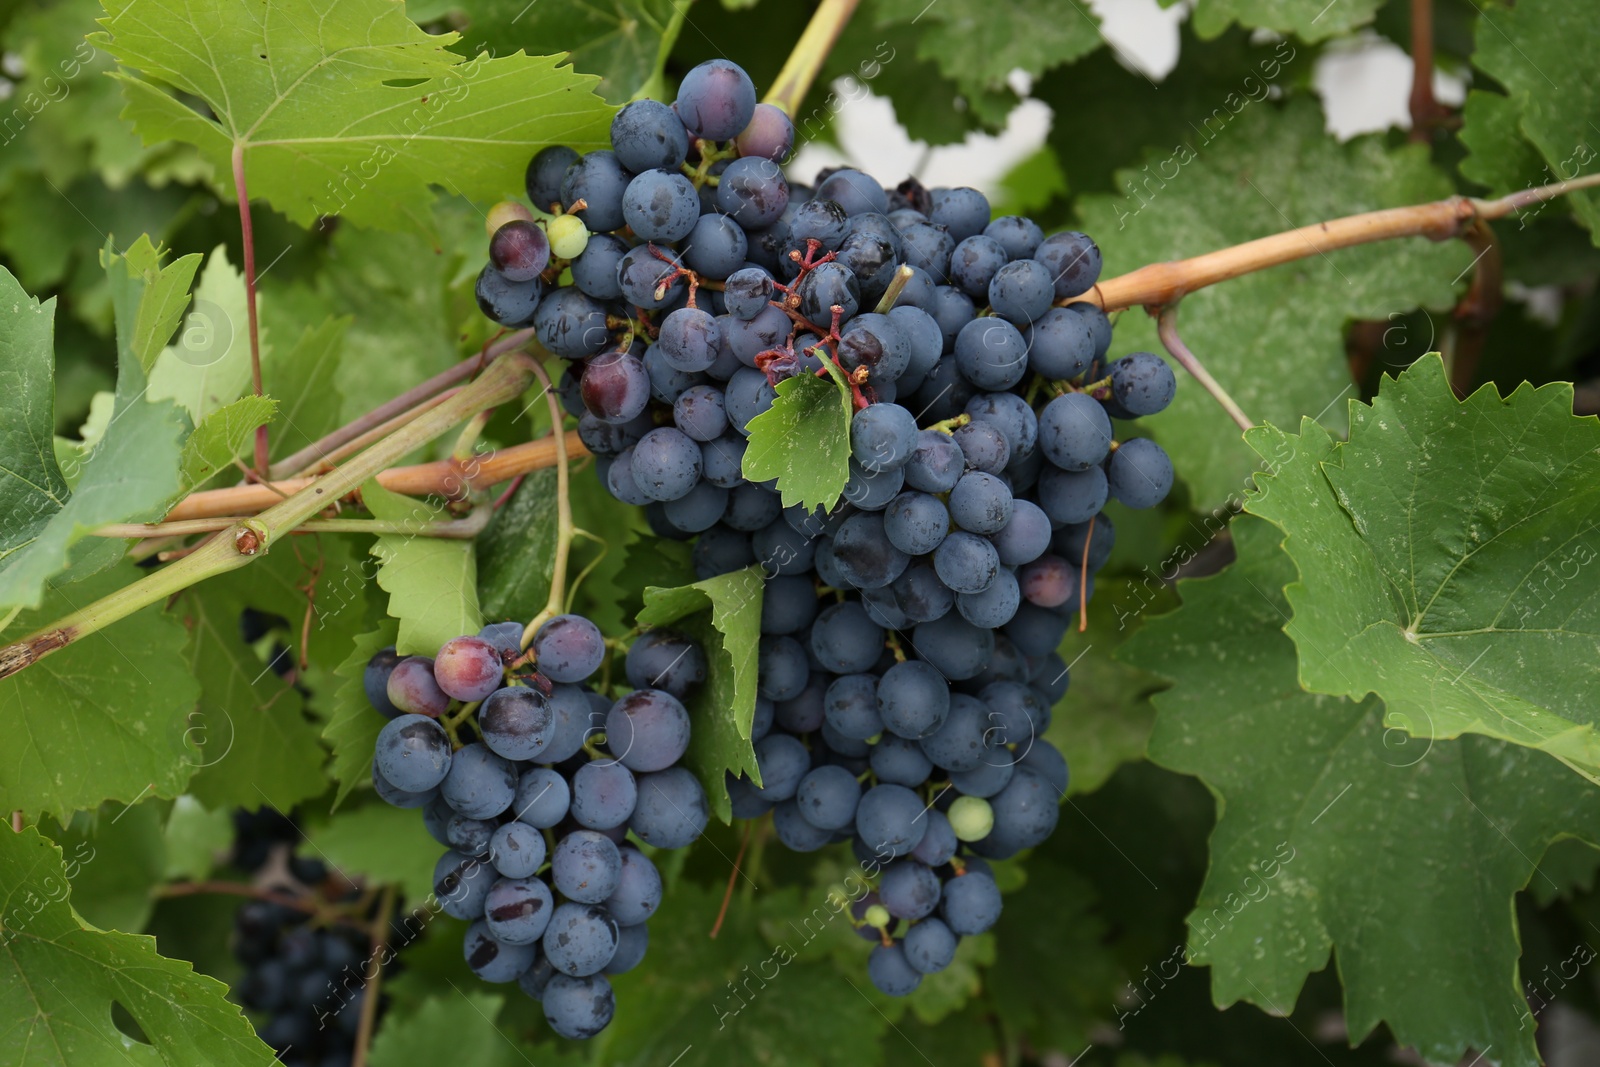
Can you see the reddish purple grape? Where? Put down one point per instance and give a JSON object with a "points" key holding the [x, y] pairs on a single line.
{"points": [[519, 250], [616, 386], [770, 134], [468, 668], [413, 689], [1048, 581], [568, 648]]}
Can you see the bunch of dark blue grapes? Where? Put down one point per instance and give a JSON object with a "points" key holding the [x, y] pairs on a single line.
{"points": [[305, 982], [908, 662], [536, 813]]}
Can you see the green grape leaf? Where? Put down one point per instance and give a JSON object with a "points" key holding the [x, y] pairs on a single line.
{"points": [[224, 435], [1272, 339], [133, 472], [1335, 831], [1541, 52], [351, 110], [31, 482], [117, 858], [194, 838], [888, 61], [1442, 553], [1309, 20], [724, 615], [625, 42], [1032, 185], [432, 582], [649, 560], [803, 442], [60, 977], [1497, 154], [209, 367], [257, 747], [353, 724], [106, 717], [741, 998], [456, 1027], [384, 844], [517, 551], [980, 43], [303, 378]]}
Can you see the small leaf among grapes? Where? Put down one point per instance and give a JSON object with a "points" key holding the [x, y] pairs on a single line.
{"points": [[803, 442]]}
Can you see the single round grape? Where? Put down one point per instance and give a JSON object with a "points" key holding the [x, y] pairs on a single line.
{"points": [[900, 762], [850, 706], [824, 288], [505, 637], [962, 742], [788, 604], [648, 729], [518, 909], [716, 100], [864, 552], [1019, 236], [1072, 259], [1025, 537], [722, 460], [805, 711], [974, 263], [943, 393], [1072, 496], [616, 387], [517, 850], [519, 251], [844, 640], [991, 354], [585, 866], [769, 134], [1021, 291], [672, 809], [469, 836], [571, 324], [924, 343], [980, 503], [413, 689], [782, 761], [966, 562], [649, 277], [480, 783], [568, 236], [579, 941], [661, 205], [780, 549], [503, 212], [665, 660], [1139, 475], [827, 797], [1142, 383], [1074, 432], [594, 270], [461, 884], [938, 843], [545, 173], [889, 971], [719, 551], [971, 818], [913, 699], [752, 191], [413, 753], [493, 960], [638, 892], [963, 211], [872, 257], [599, 180], [542, 797], [1060, 343], [935, 464], [648, 134], [889, 820], [971, 903], [604, 793], [468, 668], [986, 779], [375, 681], [1045, 760], [578, 1008], [929, 946], [960, 649], [854, 191], [983, 446], [748, 292], [568, 648], [748, 395], [993, 607], [700, 413], [872, 490], [697, 510], [511, 304], [883, 436], [1025, 814], [1049, 582], [796, 834], [1099, 326], [910, 890]]}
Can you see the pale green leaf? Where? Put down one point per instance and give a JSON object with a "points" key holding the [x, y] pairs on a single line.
{"points": [[115, 861], [106, 717], [980, 42], [346, 108], [1310, 20], [383, 844], [432, 582], [453, 1027], [803, 441], [32, 487], [1335, 831], [353, 724], [226, 434], [148, 299], [1274, 338], [209, 365], [195, 839], [59, 978], [724, 615], [1443, 557]]}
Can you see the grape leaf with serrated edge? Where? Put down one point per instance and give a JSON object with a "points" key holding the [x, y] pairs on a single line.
{"points": [[1442, 553], [1310, 20], [346, 107], [209, 366], [59, 978], [432, 582], [223, 437], [1271, 169], [803, 442], [723, 708], [106, 717], [980, 42], [118, 856], [353, 723], [1335, 832]]}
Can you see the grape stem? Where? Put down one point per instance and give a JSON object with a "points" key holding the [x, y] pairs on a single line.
{"points": [[1167, 330], [902, 277], [244, 889], [564, 524], [1159, 284], [456, 529], [240, 543], [1426, 112], [810, 52], [247, 233], [369, 999]]}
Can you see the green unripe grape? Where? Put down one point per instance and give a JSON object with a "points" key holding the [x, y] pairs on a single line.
{"points": [[877, 915], [971, 818], [568, 236], [503, 212]]}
